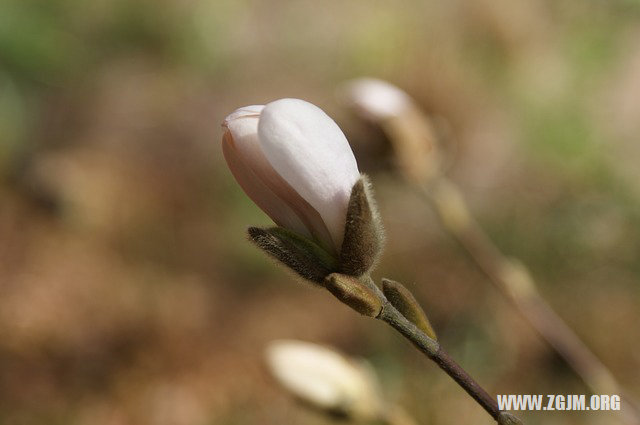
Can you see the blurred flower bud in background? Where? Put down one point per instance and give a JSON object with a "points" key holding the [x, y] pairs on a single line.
{"points": [[409, 130], [326, 379], [377, 99]]}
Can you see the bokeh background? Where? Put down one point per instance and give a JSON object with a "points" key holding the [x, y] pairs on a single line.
{"points": [[128, 291]]}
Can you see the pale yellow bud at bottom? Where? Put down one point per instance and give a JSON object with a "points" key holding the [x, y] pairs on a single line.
{"points": [[326, 379]]}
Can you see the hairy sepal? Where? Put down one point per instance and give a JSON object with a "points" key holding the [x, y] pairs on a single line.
{"points": [[363, 236], [305, 257]]}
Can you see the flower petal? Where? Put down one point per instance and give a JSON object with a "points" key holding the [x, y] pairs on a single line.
{"points": [[308, 149], [262, 183], [259, 192], [251, 111]]}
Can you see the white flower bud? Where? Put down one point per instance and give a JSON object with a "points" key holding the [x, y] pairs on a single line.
{"points": [[411, 133], [325, 378], [377, 99], [295, 163]]}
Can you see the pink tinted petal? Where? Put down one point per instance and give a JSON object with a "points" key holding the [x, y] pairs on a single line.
{"points": [[251, 111], [308, 149], [259, 192], [242, 128]]}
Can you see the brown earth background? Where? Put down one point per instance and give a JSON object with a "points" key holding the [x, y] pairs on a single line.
{"points": [[128, 291]]}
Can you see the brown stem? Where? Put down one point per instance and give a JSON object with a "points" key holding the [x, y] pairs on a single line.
{"points": [[434, 351], [516, 283], [456, 372], [420, 162]]}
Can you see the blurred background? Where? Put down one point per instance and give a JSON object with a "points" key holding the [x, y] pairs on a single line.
{"points": [[128, 291]]}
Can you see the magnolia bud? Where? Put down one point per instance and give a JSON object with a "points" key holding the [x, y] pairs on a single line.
{"points": [[326, 379], [409, 130], [295, 163], [377, 99]]}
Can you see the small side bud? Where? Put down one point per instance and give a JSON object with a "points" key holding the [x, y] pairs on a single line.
{"points": [[505, 418], [363, 236], [298, 253], [402, 299], [354, 293]]}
